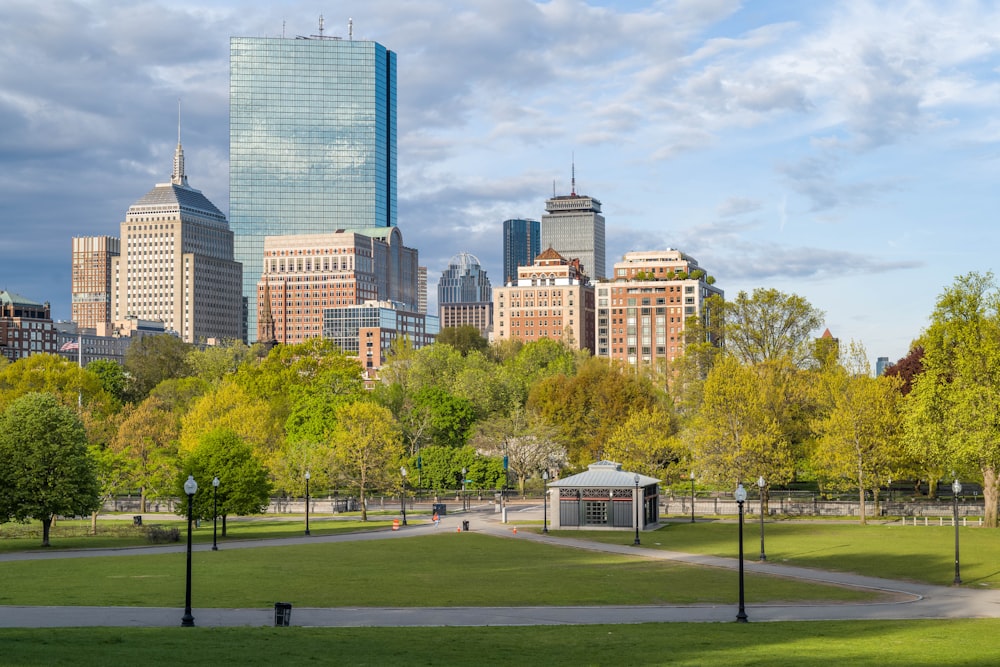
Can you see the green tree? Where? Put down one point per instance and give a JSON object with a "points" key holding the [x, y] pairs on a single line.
{"points": [[150, 360], [951, 412], [735, 437], [450, 417], [522, 438], [230, 406], [45, 469], [112, 470], [367, 447], [147, 438], [465, 339], [112, 377], [648, 443], [243, 485], [215, 362], [768, 325], [51, 374], [859, 436]]}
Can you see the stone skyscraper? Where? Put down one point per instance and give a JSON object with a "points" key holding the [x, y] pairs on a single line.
{"points": [[574, 227]]}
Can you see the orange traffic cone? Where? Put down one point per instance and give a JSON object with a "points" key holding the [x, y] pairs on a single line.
{"points": [[515, 530], [395, 524], [458, 530]]}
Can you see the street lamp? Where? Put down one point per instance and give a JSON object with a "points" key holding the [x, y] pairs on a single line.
{"points": [[636, 501], [402, 496], [761, 484], [464, 473], [692, 496], [215, 514], [956, 488], [190, 487], [545, 501], [307, 501], [741, 496]]}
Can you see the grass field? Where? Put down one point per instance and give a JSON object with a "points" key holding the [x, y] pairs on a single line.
{"points": [[814, 644]]}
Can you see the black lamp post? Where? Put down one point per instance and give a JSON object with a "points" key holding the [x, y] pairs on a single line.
{"points": [[402, 495], [215, 514], [464, 473], [545, 501], [692, 496], [307, 501], [636, 501], [761, 483], [190, 487], [956, 488], [741, 496]]}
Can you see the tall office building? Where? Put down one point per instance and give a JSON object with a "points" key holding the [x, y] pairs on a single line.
{"points": [[465, 297], [574, 227], [312, 142], [521, 245], [176, 264], [643, 311], [422, 289], [91, 286]]}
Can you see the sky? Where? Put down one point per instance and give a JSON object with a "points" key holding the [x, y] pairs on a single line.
{"points": [[844, 151]]}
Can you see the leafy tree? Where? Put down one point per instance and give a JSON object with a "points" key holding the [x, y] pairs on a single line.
{"points": [[648, 443], [230, 406], [859, 437], [59, 377], [465, 339], [179, 394], [147, 439], [907, 368], [367, 447], [112, 377], [243, 485], [450, 417], [44, 466], [314, 404], [215, 362], [768, 325], [150, 360], [734, 436], [953, 406], [112, 470]]}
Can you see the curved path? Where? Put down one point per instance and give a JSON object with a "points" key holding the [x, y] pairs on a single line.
{"points": [[907, 600]]}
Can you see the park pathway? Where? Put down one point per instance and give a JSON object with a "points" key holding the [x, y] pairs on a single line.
{"points": [[903, 600]]}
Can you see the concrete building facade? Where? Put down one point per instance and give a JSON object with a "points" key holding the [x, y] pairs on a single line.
{"points": [[92, 279], [552, 298], [573, 226]]}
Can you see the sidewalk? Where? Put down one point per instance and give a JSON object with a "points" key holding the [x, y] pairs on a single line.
{"points": [[909, 600]]}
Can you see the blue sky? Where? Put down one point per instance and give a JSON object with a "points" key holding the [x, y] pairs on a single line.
{"points": [[846, 151]]}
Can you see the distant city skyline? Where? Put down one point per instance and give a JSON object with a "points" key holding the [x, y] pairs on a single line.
{"points": [[847, 152]]}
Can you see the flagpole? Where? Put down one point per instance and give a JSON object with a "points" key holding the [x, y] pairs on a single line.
{"points": [[79, 360]]}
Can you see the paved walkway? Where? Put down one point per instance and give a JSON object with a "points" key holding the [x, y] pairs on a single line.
{"points": [[905, 600]]}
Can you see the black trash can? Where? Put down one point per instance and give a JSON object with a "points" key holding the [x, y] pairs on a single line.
{"points": [[465, 526], [137, 520], [282, 614], [440, 509]]}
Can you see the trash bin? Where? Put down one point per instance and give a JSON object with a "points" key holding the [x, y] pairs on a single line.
{"points": [[137, 520], [439, 508], [465, 526], [282, 614]]}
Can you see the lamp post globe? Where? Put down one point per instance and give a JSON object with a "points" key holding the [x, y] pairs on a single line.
{"points": [[636, 500], [402, 495], [956, 488], [741, 496], [545, 501], [307, 501], [215, 514], [190, 488], [761, 483]]}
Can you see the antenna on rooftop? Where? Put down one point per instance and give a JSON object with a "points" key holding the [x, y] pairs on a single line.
{"points": [[573, 181], [350, 28], [321, 26], [282, 29]]}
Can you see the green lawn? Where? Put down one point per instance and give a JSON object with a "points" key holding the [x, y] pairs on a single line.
{"points": [[439, 569], [814, 644], [916, 553]]}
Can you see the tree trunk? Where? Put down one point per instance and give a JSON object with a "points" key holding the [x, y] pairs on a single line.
{"points": [[861, 494], [223, 525], [990, 489], [142, 500], [93, 523], [364, 506], [46, 525]]}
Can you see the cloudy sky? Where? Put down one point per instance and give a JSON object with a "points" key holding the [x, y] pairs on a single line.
{"points": [[848, 152]]}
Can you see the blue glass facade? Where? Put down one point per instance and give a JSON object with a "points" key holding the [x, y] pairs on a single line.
{"points": [[312, 143], [521, 244]]}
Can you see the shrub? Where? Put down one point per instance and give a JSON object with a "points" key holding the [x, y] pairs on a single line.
{"points": [[161, 535]]}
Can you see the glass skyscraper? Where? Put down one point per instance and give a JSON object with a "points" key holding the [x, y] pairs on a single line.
{"points": [[521, 245], [312, 143]]}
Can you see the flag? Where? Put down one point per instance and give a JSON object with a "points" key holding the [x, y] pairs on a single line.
{"points": [[70, 346]]}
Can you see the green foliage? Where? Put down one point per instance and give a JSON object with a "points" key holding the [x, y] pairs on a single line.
{"points": [[215, 362], [768, 325], [56, 376], [150, 360], [243, 485], [147, 439], [111, 376], [465, 339], [313, 404], [648, 443], [44, 466], [231, 407], [529, 444], [440, 468], [367, 448], [450, 417]]}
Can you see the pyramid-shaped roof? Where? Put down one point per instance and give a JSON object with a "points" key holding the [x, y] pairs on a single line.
{"points": [[606, 474]]}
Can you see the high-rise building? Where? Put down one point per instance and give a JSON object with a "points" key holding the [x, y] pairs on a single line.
{"points": [[306, 273], [312, 142], [882, 364], [642, 313], [176, 264], [367, 330], [574, 227], [552, 298], [465, 297], [422, 289], [91, 297], [521, 244]]}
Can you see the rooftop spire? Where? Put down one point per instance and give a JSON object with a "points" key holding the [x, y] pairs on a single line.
{"points": [[179, 177], [573, 174]]}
